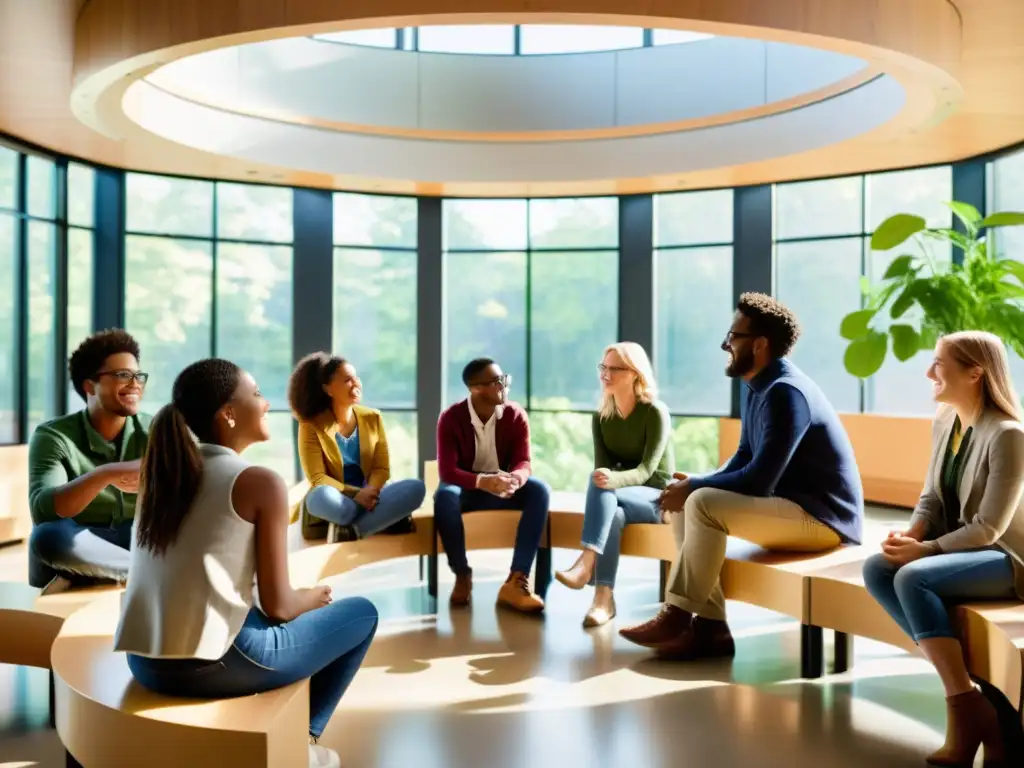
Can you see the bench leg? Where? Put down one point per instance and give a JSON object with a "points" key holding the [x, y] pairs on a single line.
{"points": [[53, 703], [71, 762], [421, 568], [664, 568], [812, 663], [432, 571], [843, 653], [543, 574], [1009, 721]]}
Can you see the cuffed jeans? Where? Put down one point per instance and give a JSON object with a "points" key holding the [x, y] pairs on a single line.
{"points": [[605, 514], [915, 594], [450, 502], [78, 552], [397, 501], [326, 645], [709, 517]]}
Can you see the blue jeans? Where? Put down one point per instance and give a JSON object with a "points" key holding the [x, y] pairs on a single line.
{"points": [[78, 552], [397, 501], [915, 594], [605, 514], [326, 645], [450, 502]]}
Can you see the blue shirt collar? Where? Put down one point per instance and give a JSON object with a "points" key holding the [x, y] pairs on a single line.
{"points": [[774, 370]]}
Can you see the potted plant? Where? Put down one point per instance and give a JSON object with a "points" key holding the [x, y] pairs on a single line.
{"points": [[982, 292]]}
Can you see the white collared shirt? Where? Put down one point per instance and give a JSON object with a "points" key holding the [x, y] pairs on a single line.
{"points": [[486, 459]]}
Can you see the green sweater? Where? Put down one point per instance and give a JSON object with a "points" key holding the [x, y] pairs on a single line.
{"points": [[67, 448], [637, 449]]}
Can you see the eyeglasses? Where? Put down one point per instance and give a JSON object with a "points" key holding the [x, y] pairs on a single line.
{"points": [[125, 376], [505, 380], [602, 368], [738, 335]]}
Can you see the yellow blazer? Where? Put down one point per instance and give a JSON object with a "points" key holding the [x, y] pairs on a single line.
{"points": [[321, 459]]}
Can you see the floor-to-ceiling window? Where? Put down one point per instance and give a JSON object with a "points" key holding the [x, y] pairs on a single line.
{"points": [[41, 238], [1006, 193], [822, 253], [81, 188], [208, 271], [693, 305], [374, 324], [534, 285], [9, 279]]}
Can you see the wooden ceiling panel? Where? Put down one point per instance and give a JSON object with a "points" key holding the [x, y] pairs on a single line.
{"points": [[977, 45]]}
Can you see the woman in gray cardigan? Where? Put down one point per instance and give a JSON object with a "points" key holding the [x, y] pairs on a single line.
{"points": [[966, 536]]}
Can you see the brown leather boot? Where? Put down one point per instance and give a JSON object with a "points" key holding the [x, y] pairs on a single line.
{"points": [[515, 593], [971, 721], [667, 627], [463, 589]]}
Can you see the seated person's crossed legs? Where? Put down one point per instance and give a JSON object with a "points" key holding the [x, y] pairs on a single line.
{"points": [[693, 621]]}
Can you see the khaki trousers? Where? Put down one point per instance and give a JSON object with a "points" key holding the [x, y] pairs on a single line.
{"points": [[702, 529]]}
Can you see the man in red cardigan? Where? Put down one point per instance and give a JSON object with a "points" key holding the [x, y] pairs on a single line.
{"points": [[483, 458]]}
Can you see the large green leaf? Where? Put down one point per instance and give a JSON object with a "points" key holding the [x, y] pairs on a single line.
{"points": [[928, 337], [855, 324], [899, 266], [905, 341], [895, 230], [904, 301], [1004, 219], [968, 214], [865, 356], [1011, 267]]}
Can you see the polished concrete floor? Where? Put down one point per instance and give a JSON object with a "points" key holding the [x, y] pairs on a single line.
{"points": [[485, 687]]}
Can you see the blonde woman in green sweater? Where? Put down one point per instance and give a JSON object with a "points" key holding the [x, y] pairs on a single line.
{"points": [[633, 460]]}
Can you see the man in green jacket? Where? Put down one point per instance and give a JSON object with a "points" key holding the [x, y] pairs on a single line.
{"points": [[84, 469]]}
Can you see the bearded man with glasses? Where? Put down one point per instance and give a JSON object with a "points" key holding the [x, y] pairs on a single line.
{"points": [[84, 470], [793, 485], [483, 460]]}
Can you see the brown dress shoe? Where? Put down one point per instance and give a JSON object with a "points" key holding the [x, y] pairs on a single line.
{"points": [[667, 626], [714, 640], [515, 593], [971, 721], [462, 590]]}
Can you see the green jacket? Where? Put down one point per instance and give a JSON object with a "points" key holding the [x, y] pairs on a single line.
{"points": [[69, 447]]}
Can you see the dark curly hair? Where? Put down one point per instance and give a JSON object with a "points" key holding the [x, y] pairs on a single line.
{"points": [[773, 320], [86, 361], [172, 466], [306, 394]]}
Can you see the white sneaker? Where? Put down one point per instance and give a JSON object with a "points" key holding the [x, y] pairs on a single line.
{"points": [[322, 757]]}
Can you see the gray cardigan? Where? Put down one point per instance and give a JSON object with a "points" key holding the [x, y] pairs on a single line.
{"points": [[991, 490]]}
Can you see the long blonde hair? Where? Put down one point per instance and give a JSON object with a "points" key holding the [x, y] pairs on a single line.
{"points": [[986, 351], [634, 357]]}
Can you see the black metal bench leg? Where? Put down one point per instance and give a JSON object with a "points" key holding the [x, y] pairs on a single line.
{"points": [[543, 574], [421, 569], [664, 568], [843, 653], [53, 703], [432, 571], [71, 762], [812, 663]]}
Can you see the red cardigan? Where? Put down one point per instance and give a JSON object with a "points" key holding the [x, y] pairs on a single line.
{"points": [[456, 444]]}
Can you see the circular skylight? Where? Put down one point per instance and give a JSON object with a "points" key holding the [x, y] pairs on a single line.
{"points": [[512, 39]]}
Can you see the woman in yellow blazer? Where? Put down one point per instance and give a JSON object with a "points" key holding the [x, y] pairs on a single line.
{"points": [[343, 449]]}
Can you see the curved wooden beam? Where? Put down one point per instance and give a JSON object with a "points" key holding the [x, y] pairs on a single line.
{"points": [[918, 42]]}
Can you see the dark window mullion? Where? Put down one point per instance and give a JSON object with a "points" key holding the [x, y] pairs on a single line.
{"points": [[216, 288], [60, 373], [21, 300]]}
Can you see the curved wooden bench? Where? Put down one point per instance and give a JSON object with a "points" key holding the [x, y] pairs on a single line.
{"points": [[992, 633]]}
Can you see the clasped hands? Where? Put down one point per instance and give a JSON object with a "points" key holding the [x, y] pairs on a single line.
{"points": [[902, 547], [367, 497], [501, 484]]}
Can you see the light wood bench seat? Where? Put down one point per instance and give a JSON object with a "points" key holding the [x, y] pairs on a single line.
{"points": [[992, 633]]}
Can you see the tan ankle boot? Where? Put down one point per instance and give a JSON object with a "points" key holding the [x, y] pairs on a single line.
{"points": [[463, 589], [515, 593], [971, 721]]}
